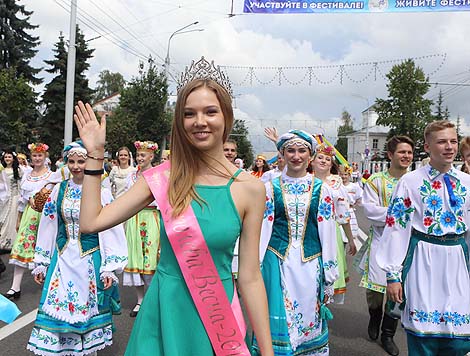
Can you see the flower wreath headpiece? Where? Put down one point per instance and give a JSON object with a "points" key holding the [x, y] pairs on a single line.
{"points": [[146, 146], [38, 147]]}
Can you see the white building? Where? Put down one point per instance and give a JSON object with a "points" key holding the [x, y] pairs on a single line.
{"points": [[107, 105], [370, 135]]}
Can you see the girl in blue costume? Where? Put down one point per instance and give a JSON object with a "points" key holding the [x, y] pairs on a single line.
{"points": [[78, 271], [298, 253], [227, 203]]}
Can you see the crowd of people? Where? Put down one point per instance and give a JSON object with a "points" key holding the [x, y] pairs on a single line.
{"points": [[182, 232]]}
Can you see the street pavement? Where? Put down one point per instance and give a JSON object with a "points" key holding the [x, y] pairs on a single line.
{"points": [[348, 329]]}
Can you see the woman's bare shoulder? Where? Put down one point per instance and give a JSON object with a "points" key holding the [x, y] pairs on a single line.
{"points": [[250, 184]]}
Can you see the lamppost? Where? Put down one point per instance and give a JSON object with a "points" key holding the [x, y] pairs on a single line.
{"points": [[177, 32], [367, 150]]}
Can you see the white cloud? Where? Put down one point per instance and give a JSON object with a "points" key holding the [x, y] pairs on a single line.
{"points": [[275, 40]]}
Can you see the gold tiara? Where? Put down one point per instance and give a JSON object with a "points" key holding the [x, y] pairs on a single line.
{"points": [[202, 69]]}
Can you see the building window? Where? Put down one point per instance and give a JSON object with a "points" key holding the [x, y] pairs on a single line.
{"points": [[375, 143]]}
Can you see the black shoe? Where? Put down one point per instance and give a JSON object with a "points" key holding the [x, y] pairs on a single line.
{"points": [[373, 328], [134, 312], [14, 295], [389, 327]]}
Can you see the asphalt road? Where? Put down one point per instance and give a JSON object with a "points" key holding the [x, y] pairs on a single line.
{"points": [[348, 329]]}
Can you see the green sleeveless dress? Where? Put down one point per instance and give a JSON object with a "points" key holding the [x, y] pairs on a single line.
{"points": [[168, 322]]}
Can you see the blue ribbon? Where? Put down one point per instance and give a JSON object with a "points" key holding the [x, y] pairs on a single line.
{"points": [[450, 190]]}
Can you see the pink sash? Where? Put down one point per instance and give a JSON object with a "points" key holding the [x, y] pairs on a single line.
{"points": [[223, 327]]}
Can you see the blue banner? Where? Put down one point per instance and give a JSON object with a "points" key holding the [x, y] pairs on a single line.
{"points": [[322, 6]]}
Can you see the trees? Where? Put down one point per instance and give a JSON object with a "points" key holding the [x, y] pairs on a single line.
{"points": [[18, 112], [120, 130], [344, 129], [109, 83], [16, 44], [52, 123], [406, 111], [240, 135], [441, 113], [144, 100]]}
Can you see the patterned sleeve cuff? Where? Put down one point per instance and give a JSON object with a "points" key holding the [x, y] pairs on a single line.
{"points": [[393, 277], [113, 263], [111, 275], [40, 269]]}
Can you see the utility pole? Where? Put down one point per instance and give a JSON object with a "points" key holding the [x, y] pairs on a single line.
{"points": [[69, 89]]}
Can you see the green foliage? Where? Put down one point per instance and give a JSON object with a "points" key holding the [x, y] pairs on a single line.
{"points": [[120, 130], [52, 123], [18, 112], [144, 100], [16, 44], [406, 111], [344, 129], [240, 135], [108, 84]]}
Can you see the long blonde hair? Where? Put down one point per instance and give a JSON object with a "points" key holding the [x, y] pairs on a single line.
{"points": [[186, 159]]}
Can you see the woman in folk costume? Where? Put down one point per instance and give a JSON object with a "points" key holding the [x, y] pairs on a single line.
{"points": [[24, 165], [22, 251], [206, 204], [260, 167], [322, 164], [10, 178], [354, 194], [78, 271], [299, 257], [142, 231], [120, 172]]}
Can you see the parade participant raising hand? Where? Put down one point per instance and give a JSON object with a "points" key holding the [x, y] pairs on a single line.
{"points": [[202, 194]]}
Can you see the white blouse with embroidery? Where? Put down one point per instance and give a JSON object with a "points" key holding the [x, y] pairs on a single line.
{"points": [[437, 286], [72, 294]]}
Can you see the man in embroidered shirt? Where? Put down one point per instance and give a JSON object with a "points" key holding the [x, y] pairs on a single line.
{"points": [[423, 249], [375, 200]]}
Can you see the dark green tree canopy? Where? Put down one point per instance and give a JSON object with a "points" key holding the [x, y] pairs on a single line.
{"points": [[108, 84], [18, 112], [244, 148], [52, 123], [16, 44], [344, 129], [144, 99], [406, 111]]}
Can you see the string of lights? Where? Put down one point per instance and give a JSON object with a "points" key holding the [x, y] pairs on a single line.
{"points": [[251, 75]]}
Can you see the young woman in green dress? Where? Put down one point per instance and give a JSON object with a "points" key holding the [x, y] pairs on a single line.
{"points": [[142, 232], [227, 203]]}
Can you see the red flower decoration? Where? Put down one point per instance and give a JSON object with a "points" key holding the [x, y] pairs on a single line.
{"points": [[32, 227], [26, 245], [320, 219], [452, 183], [390, 221], [436, 185], [407, 202], [427, 221], [328, 199], [142, 233], [71, 307], [270, 218]]}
